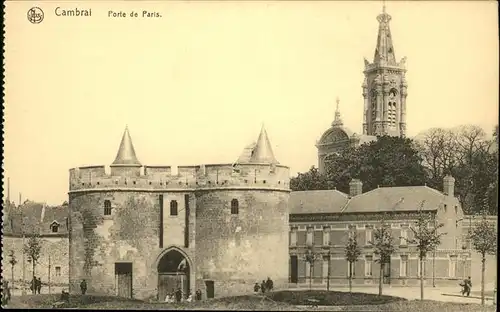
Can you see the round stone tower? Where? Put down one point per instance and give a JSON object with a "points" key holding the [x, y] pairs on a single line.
{"points": [[141, 231]]}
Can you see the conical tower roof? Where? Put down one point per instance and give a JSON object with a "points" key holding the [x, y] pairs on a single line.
{"points": [[126, 153], [384, 52], [262, 152]]}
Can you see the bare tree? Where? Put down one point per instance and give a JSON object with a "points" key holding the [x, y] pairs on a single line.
{"points": [[484, 240], [32, 250], [352, 254], [426, 238], [384, 247]]}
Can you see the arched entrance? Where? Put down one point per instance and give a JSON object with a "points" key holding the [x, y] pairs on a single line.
{"points": [[173, 273]]}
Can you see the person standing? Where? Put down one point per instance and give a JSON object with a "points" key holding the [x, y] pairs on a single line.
{"points": [[468, 284], [33, 285], [198, 295], [83, 287], [39, 285], [263, 286]]}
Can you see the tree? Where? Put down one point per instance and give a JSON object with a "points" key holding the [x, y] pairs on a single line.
{"points": [[484, 240], [32, 250], [13, 262], [384, 247], [310, 258], [352, 254], [426, 237], [389, 161], [311, 180]]}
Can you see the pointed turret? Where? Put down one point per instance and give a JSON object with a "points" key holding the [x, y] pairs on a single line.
{"points": [[262, 152], [384, 52], [126, 153], [337, 122]]}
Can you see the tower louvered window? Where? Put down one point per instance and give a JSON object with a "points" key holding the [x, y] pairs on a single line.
{"points": [[391, 111], [173, 208]]}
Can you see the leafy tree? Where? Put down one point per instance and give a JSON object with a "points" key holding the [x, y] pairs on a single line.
{"points": [[13, 262], [310, 258], [32, 250], [389, 161], [384, 246], [352, 254], [484, 240], [426, 238], [311, 180]]}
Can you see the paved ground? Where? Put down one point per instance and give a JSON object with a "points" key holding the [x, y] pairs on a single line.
{"points": [[44, 290], [413, 293]]}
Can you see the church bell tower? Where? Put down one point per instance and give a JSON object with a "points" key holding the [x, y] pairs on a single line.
{"points": [[384, 87]]}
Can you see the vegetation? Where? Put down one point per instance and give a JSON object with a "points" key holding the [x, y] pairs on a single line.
{"points": [[426, 237], [352, 254], [32, 250], [310, 258], [384, 246], [464, 152], [484, 240], [13, 262]]}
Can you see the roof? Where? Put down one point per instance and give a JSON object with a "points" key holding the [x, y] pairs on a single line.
{"points": [[246, 154], [262, 152], [126, 153], [37, 219], [335, 133], [319, 201], [403, 198], [366, 139], [384, 50]]}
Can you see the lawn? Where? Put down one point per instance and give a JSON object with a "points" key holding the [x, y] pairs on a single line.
{"points": [[275, 301]]}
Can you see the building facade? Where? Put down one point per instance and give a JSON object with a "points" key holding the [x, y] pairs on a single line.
{"points": [[384, 91], [142, 231], [50, 223], [322, 221]]}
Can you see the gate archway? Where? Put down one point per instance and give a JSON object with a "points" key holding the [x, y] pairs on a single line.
{"points": [[173, 273]]}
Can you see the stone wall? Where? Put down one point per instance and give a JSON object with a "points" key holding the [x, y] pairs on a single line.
{"points": [[55, 247]]}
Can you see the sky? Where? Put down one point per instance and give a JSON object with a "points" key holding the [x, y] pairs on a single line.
{"points": [[195, 85]]}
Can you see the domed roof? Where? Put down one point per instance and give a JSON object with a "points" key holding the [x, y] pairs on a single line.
{"points": [[335, 134]]}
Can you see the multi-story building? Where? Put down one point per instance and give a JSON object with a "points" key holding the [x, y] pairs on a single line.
{"points": [[321, 221]]}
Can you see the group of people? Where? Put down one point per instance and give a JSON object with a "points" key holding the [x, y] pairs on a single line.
{"points": [[266, 285], [466, 286], [176, 296], [36, 285]]}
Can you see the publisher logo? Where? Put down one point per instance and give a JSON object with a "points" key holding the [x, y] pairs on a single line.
{"points": [[35, 15]]}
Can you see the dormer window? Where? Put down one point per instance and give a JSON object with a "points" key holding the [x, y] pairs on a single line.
{"points": [[107, 208], [54, 227]]}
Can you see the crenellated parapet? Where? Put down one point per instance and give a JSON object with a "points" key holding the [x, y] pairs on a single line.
{"points": [[158, 178]]}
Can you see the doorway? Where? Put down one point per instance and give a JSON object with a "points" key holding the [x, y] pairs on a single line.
{"points": [[173, 274], [210, 289], [294, 265], [123, 278]]}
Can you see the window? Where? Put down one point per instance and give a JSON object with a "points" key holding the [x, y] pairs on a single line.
{"points": [[173, 208], [418, 267], [368, 234], [234, 206], [318, 238], [349, 266], [403, 266], [368, 265], [309, 239], [107, 208], [326, 236], [54, 227], [58, 271], [404, 237], [293, 237], [453, 266]]}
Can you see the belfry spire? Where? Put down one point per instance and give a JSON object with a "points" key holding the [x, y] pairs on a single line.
{"points": [[262, 152], [126, 153], [384, 51], [338, 120]]}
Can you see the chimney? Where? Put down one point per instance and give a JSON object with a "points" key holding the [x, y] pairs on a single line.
{"points": [[449, 185], [355, 187]]}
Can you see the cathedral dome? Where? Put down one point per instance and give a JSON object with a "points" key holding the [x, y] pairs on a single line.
{"points": [[335, 134]]}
